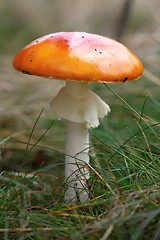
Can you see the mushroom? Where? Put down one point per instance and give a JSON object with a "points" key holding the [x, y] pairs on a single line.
{"points": [[79, 58]]}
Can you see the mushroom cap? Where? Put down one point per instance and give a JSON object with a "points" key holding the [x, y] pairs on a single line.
{"points": [[79, 56]]}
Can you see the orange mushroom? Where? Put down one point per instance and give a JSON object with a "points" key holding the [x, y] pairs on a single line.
{"points": [[78, 58]]}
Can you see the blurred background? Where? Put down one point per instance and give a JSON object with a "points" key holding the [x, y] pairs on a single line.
{"points": [[24, 99]]}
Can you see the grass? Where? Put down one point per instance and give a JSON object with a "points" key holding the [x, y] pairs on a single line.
{"points": [[124, 184]]}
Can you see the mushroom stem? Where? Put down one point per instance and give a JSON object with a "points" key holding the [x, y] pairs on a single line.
{"points": [[77, 90], [81, 109], [76, 170], [76, 149]]}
